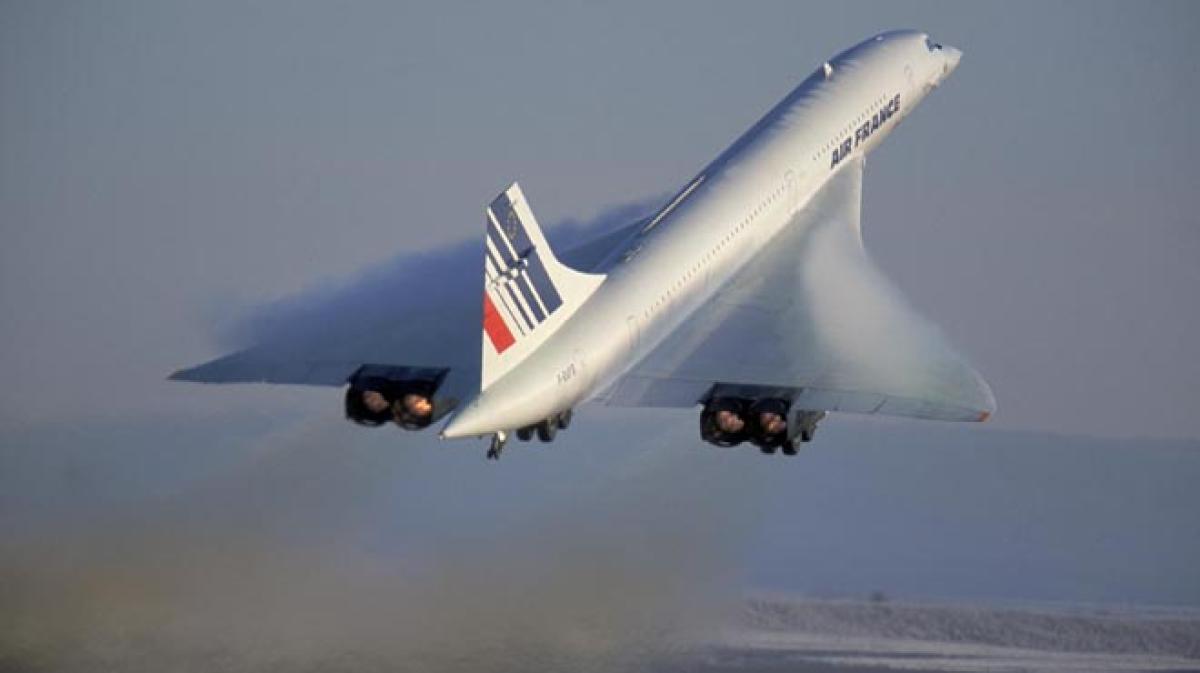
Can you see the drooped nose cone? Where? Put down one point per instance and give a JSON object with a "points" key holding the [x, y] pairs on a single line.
{"points": [[952, 56]]}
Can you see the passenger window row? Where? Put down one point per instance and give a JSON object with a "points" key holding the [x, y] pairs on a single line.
{"points": [[708, 256]]}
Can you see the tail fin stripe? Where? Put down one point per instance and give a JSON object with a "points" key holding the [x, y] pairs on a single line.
{"points": [[529, 324], [527, 283], [542, 283], [531, 310], [510, 225], [535, 307], [490, 270], [509, 315], [506, 257], [503, 270], [494, 326], [512, 245], [508, 232], [506, 312], [493, 263]]}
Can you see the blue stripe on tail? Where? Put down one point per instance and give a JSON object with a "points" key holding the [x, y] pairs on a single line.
{"points": [[497, 240], [522, 284], [541, 282], [508, 235], [528, 324], [511, 226]]}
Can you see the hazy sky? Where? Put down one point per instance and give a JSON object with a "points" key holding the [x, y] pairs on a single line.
{"points": [[163, 167]]}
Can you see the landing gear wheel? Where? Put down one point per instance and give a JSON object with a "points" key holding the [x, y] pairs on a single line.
{"points": [[769, 449], [564, 420], [497, 447], [525, 434], [789, 448], [546, 430]]}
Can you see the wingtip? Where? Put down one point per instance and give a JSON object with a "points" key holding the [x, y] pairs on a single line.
{"points": [[185, 375]]}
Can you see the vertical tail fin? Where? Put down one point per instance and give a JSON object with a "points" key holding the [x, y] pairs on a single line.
{"points": [[527, 293]]}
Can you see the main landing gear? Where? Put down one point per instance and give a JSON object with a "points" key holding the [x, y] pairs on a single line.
{"points": [[545, 430]]}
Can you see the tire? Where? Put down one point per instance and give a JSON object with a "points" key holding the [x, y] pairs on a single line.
{"points": [[564, 419], [546, 430], [525, 434], [789, 448], [768, 449]]}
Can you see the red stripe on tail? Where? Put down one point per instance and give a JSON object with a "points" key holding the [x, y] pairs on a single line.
{"points": [[493, 324]]}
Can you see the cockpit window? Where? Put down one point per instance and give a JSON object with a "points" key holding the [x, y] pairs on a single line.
{"points": [[931, 45]]}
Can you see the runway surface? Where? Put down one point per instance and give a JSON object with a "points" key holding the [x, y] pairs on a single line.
{"points": [[771, 635], [807, 635]]}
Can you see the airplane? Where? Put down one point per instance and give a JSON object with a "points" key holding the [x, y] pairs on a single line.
{"points": [[748, 295]]}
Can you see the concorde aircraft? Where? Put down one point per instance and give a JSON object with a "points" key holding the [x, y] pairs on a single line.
{"points": [[748, 295]]}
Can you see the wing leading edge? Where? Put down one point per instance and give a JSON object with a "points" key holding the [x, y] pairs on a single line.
{"points": [[815, 317]]}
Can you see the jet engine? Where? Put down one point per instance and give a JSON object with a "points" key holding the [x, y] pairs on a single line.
{"points": [[769, 424], [725, 421], [763, 416], [406, 396]]}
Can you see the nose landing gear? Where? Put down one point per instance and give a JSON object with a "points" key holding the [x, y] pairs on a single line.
{"points": [[498, 441]]}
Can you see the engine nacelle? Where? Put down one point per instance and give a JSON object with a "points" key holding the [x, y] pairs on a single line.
{"points": [[406, 396], [762, 415], [769, 423], [724, 421]]}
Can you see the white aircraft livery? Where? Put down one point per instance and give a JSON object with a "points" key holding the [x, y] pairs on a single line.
{"points": [[748, 295]]}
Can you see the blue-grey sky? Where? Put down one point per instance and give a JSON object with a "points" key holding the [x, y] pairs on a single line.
{"points": [[163, 167]]}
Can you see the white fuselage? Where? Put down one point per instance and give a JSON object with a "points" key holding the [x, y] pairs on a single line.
{"points": [[714, 226]]}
